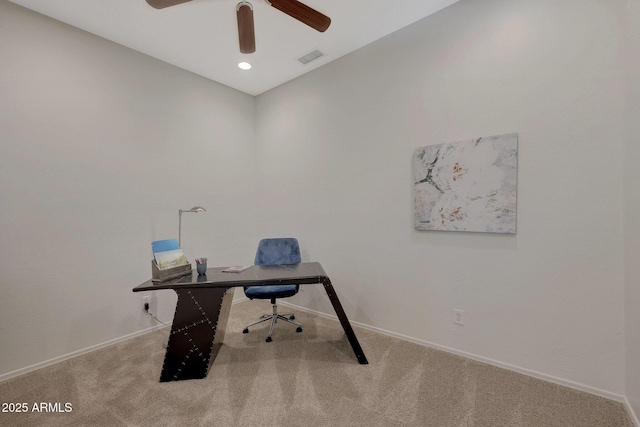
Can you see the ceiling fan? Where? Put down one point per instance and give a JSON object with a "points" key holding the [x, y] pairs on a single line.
{"points": [[244, 12]]}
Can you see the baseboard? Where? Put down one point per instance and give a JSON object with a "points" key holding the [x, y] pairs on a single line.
{"points": [[539, 375], [524, 371], [631, 412], [40, 365]]}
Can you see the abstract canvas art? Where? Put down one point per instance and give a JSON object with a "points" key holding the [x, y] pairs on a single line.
{"points": [[467, 185]]}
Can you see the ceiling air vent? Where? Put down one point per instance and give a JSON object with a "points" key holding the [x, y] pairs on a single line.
{"points": [[311, 56]]}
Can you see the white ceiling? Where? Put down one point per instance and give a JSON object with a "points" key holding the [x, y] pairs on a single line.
{"points": [[201, 36]]}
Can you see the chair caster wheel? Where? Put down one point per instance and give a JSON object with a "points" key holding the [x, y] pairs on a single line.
{"points": [[292, 317], [269, 339], [298, 329], [245, 331]]}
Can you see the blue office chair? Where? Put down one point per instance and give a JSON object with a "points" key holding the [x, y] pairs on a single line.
{"points": [[275, 252]]}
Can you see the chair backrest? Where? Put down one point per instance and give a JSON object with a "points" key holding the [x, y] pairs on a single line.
{"points": [[278, 251]]}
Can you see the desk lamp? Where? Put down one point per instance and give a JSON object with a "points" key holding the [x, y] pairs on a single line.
{"points": [[193, 209]]}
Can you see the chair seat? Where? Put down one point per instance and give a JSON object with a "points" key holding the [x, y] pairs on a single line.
{"points": [[268, 292]]}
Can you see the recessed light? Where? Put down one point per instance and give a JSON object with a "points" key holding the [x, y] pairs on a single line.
{"points": [[244, 65]]}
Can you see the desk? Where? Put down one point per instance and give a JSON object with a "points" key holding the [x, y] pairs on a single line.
{"points": [[203, 307]]}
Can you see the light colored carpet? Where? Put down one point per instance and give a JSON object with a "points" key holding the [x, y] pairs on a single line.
{"points": [[300, 379]]}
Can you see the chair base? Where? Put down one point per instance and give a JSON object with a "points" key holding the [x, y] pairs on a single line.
{"points": [[274, 317]]}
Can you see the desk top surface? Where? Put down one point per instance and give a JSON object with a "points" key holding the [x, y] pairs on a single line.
{"points": [[257, 275]]}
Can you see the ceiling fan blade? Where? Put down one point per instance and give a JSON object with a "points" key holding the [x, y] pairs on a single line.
{"points": [[302, 13], [161, 4], [246, 34]]}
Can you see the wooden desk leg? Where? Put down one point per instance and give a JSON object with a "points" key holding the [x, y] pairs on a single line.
{"points": [[355, 345], [196, 333]]}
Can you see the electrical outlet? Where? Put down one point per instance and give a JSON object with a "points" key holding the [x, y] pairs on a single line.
{"points": [[458, 317], [146, 303]]}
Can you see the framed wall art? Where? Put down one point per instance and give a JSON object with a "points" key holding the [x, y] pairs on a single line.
{"points": [[467, 185]]}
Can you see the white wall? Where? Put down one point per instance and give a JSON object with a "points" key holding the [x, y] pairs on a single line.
{"points": [[632, 205], [99, 148], [336, 151]]}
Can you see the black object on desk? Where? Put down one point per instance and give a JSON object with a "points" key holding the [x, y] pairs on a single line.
{"points": [[203, 307]]}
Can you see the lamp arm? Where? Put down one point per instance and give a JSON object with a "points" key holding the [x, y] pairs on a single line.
{"points": [[194, 209]]}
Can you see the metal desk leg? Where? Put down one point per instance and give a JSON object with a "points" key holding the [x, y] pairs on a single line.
{"points": [[355, 345], [196, 333]]}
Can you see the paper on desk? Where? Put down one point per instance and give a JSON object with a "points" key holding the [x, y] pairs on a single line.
{"points": [[236, 268], [170, 259]]}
